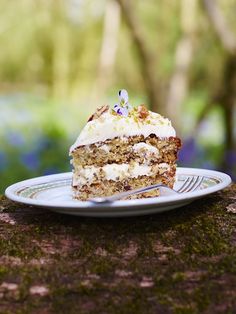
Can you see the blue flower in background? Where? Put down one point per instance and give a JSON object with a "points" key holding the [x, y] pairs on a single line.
{"points": [[188, 152], [30, 160], [15, 139], [230, 158], [43, 143], [3, 160], [207, 165], [50, 170]]}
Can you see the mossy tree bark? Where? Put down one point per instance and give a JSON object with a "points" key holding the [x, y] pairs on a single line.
{"points": [[181, 261]]}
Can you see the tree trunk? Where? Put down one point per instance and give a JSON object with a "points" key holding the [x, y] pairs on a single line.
{"points": [[228, 102], [224, 33], [109, 46], [179, 82], [228, 42], [147, 60], [61, 56]]}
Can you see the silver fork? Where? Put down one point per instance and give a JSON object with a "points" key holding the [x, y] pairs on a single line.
{"points": [[189, 185]]}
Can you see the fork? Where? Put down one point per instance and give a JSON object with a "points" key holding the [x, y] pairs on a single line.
{"points": [[189, 185]]}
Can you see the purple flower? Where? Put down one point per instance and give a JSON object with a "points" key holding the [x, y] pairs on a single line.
{"points": [[207, 164], [15, 139], [188, 152], [123, 96], [230, 157], [121, 110], [43, 143], [50, 170], [30, 160], [123, 107]]}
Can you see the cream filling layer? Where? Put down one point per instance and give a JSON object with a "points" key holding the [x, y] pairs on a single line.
{"points": [[146, 150], [115, 172]]}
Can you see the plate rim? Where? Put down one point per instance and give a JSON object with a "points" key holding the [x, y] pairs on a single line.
{"points": [[11, 191]]}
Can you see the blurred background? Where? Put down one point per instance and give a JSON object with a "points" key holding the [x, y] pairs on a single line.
{"points": [[59, 60]]}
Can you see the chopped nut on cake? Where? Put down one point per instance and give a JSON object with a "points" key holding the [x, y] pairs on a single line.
{"points": [[98, 112]]}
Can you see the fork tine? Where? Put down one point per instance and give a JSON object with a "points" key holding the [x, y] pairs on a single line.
{"points": [[188, 183], [198, 184], [191, 186], [184, 184]]}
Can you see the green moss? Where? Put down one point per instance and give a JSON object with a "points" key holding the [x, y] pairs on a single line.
{"points": [[3, 272], [185, 253], [184, 310]]}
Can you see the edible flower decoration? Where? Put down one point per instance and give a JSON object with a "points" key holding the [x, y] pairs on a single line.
{"points": [[123, 107]]}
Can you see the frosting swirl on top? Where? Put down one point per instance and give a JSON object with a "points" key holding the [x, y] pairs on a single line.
{"points": [[108, 124]]}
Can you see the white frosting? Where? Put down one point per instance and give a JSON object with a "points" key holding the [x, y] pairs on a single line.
{"points": [[140, 170], [114, 172], [139, 147], [105, 148], [109, 126], [163, 165]]}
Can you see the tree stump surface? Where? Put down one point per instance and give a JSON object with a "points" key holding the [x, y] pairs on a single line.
{"points": [[181, 261]]}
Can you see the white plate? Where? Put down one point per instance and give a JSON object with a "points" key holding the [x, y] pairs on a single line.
{"points": [[54, 192]]}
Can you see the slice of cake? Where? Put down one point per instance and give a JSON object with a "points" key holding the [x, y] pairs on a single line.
{"points": [[123, 148]]}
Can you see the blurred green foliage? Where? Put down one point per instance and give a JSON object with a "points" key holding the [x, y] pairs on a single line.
{"points": [[52, 78]]}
